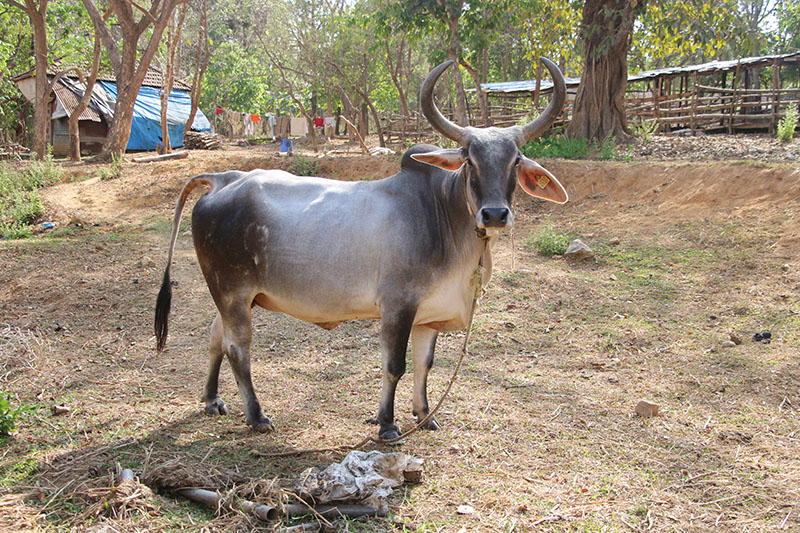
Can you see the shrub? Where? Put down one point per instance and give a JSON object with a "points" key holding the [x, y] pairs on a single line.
{"points": [[787, 124], [112, 171], [645, 129], [304, 166], [607, 150], [8, 416], [20, 204], [548, 241], [557, 146]]}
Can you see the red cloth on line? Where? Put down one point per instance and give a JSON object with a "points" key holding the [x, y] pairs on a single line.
{"points": [[218, 111], [318, 122], [255, 119]]}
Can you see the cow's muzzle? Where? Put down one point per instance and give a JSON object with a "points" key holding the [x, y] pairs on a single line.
{"points": [[495, 217]]}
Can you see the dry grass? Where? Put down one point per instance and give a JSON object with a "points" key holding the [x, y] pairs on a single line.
{"points": [[539, 432]]}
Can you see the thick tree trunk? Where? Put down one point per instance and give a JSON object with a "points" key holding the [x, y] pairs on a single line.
{"points": [[599, 110], [41, 104]]}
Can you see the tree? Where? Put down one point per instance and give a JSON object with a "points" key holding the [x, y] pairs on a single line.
{"points": [[174, 29], [599, 111], [74, 129], [37, 13], [128, 71], [201, 58]]}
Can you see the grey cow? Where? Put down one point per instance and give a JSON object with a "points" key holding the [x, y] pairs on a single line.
{"points": [[402, 249]]}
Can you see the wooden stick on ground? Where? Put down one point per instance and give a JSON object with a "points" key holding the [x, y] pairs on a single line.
{"points": [[214, 500], [174, 155]]}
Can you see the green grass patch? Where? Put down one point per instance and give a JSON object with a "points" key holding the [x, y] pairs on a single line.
{"points": [[20, 203], [548, 241]]}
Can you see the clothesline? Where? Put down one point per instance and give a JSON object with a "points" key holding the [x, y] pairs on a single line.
{"points": [[236, 123]]}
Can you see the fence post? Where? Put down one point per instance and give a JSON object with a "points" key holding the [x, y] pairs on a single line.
{"points": [[776, 92], [735, 87]]}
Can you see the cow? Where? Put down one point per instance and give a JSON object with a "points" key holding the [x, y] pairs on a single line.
{"points": [[401, 250]]}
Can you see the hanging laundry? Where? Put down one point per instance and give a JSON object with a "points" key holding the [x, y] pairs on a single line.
{"points": [[299, 127], [319, 122], [269, 124], [283, 126], [255, 118], [219, 111]]}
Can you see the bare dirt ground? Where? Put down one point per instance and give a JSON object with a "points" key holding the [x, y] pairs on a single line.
{"points": [[539, 432]]}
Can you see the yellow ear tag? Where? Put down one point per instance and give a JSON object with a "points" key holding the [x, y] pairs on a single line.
{"points": [[543, 181]]}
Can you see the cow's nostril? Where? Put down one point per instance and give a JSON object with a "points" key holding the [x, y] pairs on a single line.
{"points": [[487, 217], [495, 217], [504, 216]]}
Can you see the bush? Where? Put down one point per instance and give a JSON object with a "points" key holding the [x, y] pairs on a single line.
{"points": [[8, 416], [114, 170], [548, 241], [645, 129], [20, 204], [304, 166], [787, 124], [557, 146]]}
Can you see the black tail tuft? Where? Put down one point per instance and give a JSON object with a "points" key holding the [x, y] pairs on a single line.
{"points": [[163, 304]]}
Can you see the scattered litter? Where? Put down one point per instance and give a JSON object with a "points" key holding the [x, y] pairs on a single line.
{"points": [[465, 509], [764, 337], [48, 225], [364, 477], [646, 409]]}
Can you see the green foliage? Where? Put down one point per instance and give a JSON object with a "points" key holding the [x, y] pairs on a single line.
{"points": [[304, 166], [20, 204], [557, 146], [645, 129], [548, 241], [787, 124], [607, 150], [8, 415], [112, 171]]}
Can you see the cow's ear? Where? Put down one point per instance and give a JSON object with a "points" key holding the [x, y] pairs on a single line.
{"points": [[538, 181], [448, 158]]}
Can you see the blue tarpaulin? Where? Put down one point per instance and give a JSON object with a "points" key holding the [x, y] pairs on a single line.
{"points": [[146, 125]]}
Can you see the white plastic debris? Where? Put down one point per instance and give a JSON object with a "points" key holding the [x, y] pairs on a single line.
{"points": [[365, 477]]}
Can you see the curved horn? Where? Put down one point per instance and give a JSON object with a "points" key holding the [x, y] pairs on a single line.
{"points": [[538, 125], [434, 116]]}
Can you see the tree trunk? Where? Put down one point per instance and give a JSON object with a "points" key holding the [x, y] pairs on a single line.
{"points": [[41, 103], [168, 76], [452, 53], [599, 110], [74, 128], [481, 95], [200, 67]]}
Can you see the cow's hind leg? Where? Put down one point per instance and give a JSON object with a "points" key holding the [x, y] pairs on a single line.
{"points": [[214, 405], [237, 335], [395, 329], [423, 343]]}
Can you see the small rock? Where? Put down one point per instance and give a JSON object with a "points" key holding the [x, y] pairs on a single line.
{"points": [[612, 277], [757, 337], [614, 241], [786, 267], [578, 250], [59, 410], [465, 509], [766, 334], [737, 340], [646, 409], [728, 344], [146, 262]]}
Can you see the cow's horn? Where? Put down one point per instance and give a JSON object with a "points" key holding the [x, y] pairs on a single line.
{"points": [[537, 126], [434, 116]]}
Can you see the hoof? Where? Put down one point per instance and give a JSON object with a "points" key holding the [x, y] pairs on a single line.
{"points": [[373, 421], [264, 426], [432, 424], [389, 433], [216, 407]]}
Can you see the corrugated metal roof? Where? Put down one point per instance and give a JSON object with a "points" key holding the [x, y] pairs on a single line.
{"points": [[528, 86], [70, 101], [152, 78]]}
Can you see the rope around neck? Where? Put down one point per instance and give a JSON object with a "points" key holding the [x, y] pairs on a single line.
{"points": [[476, 285]]}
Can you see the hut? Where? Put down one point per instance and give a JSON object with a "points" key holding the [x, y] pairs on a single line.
{"points": [[95, 121], [715, 97]]}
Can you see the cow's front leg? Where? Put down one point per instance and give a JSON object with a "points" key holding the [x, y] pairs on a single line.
{"points": [[237, 336], [423, 343], [215, 405], [395, 329]]}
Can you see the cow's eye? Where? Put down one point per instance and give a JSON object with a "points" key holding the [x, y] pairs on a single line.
{"points": [[468, 161], [517, 160]]}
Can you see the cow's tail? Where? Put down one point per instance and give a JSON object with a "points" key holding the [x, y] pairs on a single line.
{"points": [[164, 300]]}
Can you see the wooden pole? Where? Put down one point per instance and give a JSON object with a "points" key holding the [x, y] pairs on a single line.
{"points": [[695, 95], [776, 95], [735, 87]]}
